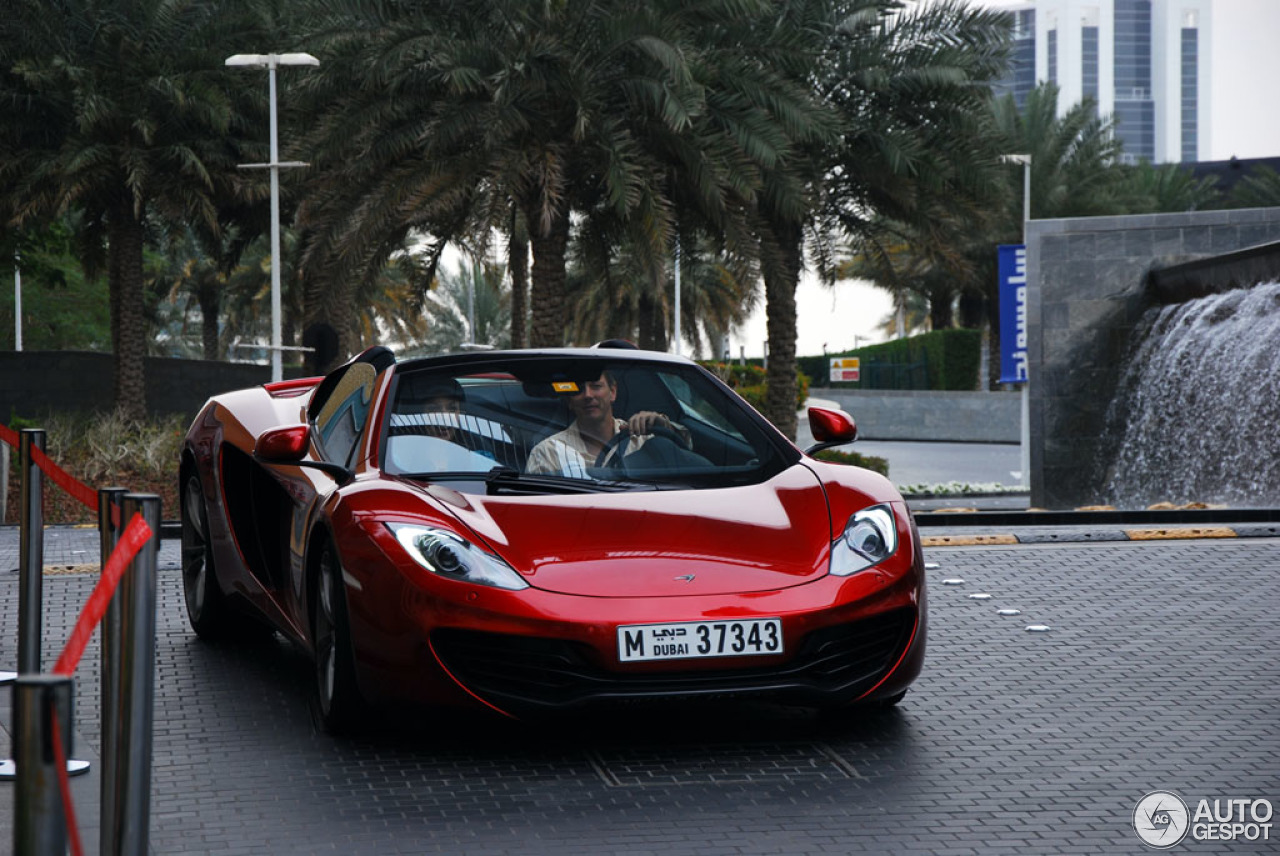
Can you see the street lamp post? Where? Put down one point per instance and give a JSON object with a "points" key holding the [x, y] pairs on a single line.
{"points": [[271, 62], [17, 301], [676, 321]]}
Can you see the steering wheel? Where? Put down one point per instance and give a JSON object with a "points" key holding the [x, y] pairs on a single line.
{"points": [[623, 436], [620, 438]]}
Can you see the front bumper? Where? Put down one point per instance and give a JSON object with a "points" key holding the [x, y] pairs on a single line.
{"points": [[833, 665]]}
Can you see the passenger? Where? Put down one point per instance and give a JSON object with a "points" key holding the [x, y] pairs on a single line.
{"points": [[440, 408], [571, 451]]}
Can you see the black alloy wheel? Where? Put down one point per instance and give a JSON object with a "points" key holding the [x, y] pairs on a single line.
{"points": [[206, 606], [336, 706]]}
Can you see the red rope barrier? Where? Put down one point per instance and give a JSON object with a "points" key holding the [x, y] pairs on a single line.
{"points": [[134, 538], [64, 785], [77, 489]]}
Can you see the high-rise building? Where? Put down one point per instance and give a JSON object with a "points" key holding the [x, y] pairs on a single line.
{"points": [[1145, 62]]}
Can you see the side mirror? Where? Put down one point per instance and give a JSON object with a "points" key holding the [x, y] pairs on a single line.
{"points": [[290, 445], [287, 445], [830, 428]]}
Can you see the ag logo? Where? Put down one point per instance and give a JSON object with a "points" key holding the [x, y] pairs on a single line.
{"points": [[1161, 819]]}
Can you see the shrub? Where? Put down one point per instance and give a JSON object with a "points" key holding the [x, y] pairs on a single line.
{"points": [[748, 380], [867, 462], [101, 450]]}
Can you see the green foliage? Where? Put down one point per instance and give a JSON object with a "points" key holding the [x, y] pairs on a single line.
{"points": [[867, 462], [95, 446], [1167, 187], [61, 308], [748, 380], [482, 286], [1259, 189], [951, 359]]}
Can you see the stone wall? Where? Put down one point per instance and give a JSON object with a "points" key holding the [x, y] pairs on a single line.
{"points": [[1089, 279], [953, 417]]}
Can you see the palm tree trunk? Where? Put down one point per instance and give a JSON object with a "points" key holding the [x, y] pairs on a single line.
{"points": [[941, 316], [547, 298], [208, 298], [651, 333], [342, 316], [128, 324], [518, 264], [780, 283]]}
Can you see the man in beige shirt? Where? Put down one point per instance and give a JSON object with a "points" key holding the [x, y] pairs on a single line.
{"points": [[577, 447]]}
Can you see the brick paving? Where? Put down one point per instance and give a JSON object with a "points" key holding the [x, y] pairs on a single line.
{"points": [[1159, 671]]}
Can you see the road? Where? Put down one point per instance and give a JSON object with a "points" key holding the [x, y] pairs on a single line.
{"points": [[913, 463], [1159, 671]]}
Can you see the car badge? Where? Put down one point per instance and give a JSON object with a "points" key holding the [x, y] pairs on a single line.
{"points": [[684, 578]]}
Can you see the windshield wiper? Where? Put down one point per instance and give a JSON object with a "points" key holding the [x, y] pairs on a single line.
{"points": [[510, 480]]}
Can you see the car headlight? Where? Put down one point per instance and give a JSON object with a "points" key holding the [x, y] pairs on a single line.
{"points": [[445, 553], [870, 537]]}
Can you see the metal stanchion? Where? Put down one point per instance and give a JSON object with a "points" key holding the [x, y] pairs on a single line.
{"points": [[30, 571], [5, 677], [30, 553], [131, 777], [111, 523], [31, 582], [41, 824]]}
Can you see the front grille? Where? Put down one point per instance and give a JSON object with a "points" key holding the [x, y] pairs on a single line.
{"points": [[832, 665]]}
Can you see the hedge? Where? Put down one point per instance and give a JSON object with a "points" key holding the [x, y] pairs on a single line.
{"points": [[950, 358]]}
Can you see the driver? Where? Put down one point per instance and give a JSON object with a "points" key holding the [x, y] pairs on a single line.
{"points": [[593, 429]]}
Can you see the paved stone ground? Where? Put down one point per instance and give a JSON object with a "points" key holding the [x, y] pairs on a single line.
{"points": [[1160, 671]]}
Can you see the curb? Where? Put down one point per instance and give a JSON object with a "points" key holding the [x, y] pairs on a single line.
{"points": [[1157, 534]]}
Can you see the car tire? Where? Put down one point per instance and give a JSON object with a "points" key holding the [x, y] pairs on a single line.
{"points": [[337, 707], [207, 609]]}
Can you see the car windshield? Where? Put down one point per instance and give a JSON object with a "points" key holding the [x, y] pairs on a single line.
{"points": [[529, 423]]}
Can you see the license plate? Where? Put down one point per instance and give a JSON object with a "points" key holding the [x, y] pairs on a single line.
{"points": [[691, 640]]}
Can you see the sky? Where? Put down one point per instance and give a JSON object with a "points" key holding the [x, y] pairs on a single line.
{"points": [[1245, 57]]}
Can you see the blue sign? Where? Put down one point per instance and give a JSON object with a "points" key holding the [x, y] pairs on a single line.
{"points": [[1013, 313]]}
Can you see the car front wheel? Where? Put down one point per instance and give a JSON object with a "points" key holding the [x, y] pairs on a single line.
{"points": [[206, 605], [337, 706]]}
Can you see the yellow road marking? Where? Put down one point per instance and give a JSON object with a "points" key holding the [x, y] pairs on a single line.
{"points": [[1172, 534], [966, 540], [50, 570]]}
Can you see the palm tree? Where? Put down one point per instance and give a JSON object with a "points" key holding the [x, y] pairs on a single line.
{"points": [[457, 118], [1074, 157], [1074, 172], [1168, 187], [116, 111], [448, 115], [477, 291], [905, 83], [192, 279], [619, 291], [1259, 189]]}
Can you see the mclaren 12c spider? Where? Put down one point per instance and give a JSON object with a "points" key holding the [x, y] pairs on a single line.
{"points": [[537, 531]]}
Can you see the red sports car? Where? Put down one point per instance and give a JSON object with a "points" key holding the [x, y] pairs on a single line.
{"points": [[529, 531]]}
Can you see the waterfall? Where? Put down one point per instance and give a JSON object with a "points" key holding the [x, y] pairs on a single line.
{"points": [[1196, 416]]}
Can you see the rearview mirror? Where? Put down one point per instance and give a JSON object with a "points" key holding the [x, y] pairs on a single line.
{"points": [[830, 428]]}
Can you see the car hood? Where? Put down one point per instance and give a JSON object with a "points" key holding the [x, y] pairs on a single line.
{"points": [[658, 544]]}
